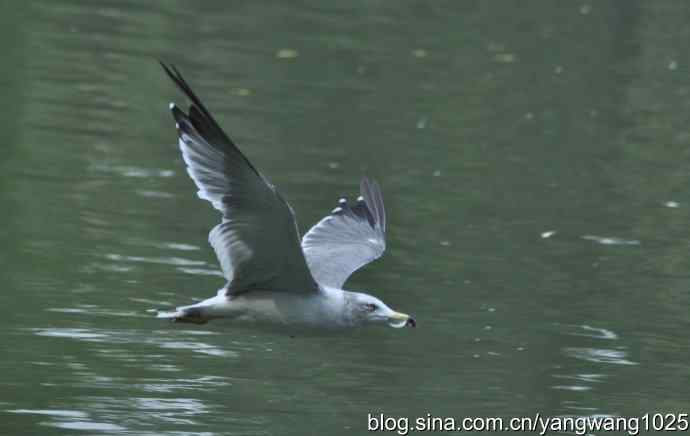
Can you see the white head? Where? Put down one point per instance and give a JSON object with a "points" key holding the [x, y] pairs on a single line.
{"points": [[366, 309]]}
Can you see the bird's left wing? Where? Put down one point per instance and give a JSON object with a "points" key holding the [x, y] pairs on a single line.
{"points": [[257, 242], [347, 239]]}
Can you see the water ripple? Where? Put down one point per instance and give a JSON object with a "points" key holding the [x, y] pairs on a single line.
{"points": [[605, 240], [159, 260], [599, 355], [156, 338], [69, 419], [133, 171]]}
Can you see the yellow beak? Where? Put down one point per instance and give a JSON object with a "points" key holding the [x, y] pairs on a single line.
{"points": [[398, 320]]}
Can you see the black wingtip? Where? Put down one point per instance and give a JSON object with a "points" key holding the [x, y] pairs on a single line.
{"points": [[198, 114], [174, 74], [198, 121], [371, 193], [167, 70]]}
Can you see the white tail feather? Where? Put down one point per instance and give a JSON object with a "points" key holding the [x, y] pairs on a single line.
{"points": [[166, 314]]}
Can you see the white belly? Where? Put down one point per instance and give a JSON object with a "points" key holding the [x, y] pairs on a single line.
{"points": [[275, 307]]}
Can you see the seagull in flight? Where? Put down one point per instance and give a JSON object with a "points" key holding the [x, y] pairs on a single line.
{"points": [[272, 276]]}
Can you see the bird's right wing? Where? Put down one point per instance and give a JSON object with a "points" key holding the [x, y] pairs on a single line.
{"points": [[257, 242], [347, 239]]}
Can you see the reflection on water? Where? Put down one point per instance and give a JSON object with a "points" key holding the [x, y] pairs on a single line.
{"points": [[70, 333], [198, 347], [86, 425], [154, 338], [600, 349], [599, 355], [208, 272], [59, 413], [588, 331], [70, 419], [533, 160], [132, 171], [163, 260], [604, 240]]}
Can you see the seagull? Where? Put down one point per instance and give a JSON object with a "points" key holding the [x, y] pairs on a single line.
{"points": [[273, 277]]}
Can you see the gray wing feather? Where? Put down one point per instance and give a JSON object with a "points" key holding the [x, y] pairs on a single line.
{"points": [[257, 243], [347, 239]]}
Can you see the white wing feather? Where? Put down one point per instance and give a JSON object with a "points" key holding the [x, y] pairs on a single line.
{"points": [[347, 239]]}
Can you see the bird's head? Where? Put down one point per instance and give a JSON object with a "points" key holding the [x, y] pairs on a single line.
{"points": [[367, 309]]}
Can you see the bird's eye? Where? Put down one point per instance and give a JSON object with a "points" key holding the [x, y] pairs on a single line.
{"points": [[370, 307]]}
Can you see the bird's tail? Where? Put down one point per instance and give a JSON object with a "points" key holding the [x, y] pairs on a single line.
{"points": [[181, 314], [167, 314]]}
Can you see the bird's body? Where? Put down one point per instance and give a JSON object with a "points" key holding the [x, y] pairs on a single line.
{"points": [[305, 309], [273, 277]]}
